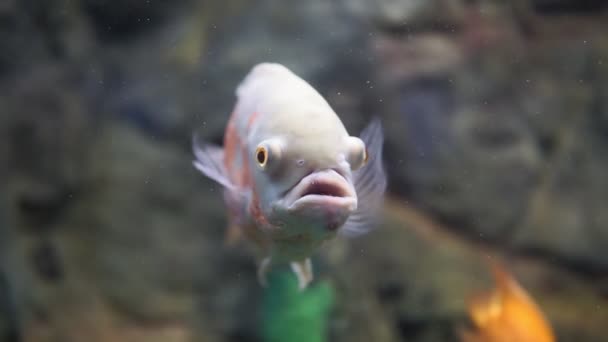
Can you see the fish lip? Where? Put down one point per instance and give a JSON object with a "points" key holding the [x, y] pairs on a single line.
{"points": [[345, 203], [322, 188]]}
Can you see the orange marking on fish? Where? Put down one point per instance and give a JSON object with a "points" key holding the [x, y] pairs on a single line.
{"points": [[256, 210], [252, 119], [246, 180], [231, 145], [506, 314]]}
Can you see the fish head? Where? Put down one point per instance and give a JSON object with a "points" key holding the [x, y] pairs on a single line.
{"points": [[303, 175]]}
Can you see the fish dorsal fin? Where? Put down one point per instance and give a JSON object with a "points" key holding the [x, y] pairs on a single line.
{"points": [[370, 184]]}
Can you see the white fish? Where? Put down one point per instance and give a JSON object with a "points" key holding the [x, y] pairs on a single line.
{"points": [[292, 174]]}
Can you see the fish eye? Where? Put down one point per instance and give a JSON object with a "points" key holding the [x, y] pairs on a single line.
{"points": [[268, 154], [357, 153], [261, 156]]}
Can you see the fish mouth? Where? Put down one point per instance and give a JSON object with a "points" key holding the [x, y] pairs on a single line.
{"points": [[325, 193]]}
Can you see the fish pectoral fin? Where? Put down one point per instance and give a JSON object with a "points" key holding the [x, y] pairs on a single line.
{"points": [[263, 269], [210, 162], [370, 184], [303, 270]]}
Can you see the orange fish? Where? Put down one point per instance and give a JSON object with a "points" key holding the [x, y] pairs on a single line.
{"points": [[506, 314], [293, 177]]}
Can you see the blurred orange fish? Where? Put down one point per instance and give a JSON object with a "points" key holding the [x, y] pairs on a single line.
{"points": [[506, 314]]}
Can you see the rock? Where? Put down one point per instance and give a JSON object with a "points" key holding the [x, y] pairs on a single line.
{"points": [[39, 33], [411, 13], [9, 328], [391, 293], [116, 22], [565, 218], [445, 156], [162, 263], [419, 56], [45, 102], [491, 126], [495, 122], [9, 307], [310, 38], [44, 137], [556, 7]]}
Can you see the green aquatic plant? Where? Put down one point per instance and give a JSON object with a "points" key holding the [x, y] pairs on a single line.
{"points": [[289, 314]]}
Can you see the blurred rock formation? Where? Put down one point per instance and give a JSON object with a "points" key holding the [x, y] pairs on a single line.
{"points": [[496, 116]]}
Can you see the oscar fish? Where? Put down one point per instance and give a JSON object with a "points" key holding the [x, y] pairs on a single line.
{"points": [[293, 177]]}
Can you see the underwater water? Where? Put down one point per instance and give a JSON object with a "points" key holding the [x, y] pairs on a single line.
{"points": [[495, 222]]}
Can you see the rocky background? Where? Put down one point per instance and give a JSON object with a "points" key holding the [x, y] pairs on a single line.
{"points": [[496, 114]]}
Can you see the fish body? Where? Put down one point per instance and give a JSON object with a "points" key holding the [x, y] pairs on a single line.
{"points": [[506, 314], [293, 177]]}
